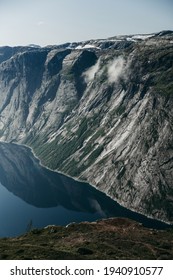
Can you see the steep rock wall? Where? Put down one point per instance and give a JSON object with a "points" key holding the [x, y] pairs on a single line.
{"points": [[100, 111]]}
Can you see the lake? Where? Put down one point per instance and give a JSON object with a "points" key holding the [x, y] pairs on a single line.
{"points": [[33, 196]]}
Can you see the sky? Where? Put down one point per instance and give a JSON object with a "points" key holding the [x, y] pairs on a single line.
{"points": [[50, 22]]}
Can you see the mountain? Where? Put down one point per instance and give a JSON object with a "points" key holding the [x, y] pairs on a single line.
{"points": [[100, 111]]}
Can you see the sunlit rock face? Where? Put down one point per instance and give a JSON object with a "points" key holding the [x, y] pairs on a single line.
{"points": [[101, 111]]}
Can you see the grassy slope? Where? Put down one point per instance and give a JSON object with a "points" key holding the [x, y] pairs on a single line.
{"points": [[107, 239]]}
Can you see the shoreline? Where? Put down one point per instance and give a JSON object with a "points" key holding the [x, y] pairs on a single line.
{"points": [[82, 181]]}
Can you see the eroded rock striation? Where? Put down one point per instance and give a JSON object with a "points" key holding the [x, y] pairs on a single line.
{"points": [[100, 111]]}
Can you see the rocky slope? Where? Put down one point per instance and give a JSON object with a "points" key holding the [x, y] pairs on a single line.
{"points": [[101, 111], [112, 239]]}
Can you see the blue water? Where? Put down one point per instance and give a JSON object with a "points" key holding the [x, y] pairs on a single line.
{"points": [[16, 215], [33, 196]]}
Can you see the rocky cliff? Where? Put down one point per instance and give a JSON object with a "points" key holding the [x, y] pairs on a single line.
{"points": [[100, 111]]}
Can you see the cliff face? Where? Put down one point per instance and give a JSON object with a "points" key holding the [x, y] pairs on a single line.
{"points": [[101, 111]]}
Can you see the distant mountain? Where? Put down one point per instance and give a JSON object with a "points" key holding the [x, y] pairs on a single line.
{"points": [[100, 111]]}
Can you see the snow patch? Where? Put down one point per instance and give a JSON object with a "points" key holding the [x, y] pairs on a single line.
{"points": [[130, 39], [87, 46], [142, 37]]}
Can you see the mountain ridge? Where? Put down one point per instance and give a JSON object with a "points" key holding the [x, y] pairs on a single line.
{"points": [[100, 111]]}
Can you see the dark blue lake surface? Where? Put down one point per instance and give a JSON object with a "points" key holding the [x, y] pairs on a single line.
{"points": [[31, 195]]}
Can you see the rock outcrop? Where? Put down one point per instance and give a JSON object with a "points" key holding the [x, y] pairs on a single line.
{"points": [[100, 111]]}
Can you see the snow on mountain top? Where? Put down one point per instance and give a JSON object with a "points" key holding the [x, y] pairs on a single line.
{"points": [[87, 46], [142, 37]]}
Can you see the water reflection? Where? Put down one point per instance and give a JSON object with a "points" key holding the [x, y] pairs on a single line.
{"points": [[48, 197], [21, 174]]}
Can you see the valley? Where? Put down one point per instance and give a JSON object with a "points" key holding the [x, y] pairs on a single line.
{"points": [[99, 111]]}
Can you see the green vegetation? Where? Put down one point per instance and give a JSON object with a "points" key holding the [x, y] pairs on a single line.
{"points": [[68, 73], [111, 239], [54, 154], [120, 110], [164, 84], [74, 168], [91, 143], [160, 200], [95, 155]]}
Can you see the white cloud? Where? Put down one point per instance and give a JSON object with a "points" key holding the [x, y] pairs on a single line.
{"points": [[91, 72], [116, 69], [39, 23]]}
